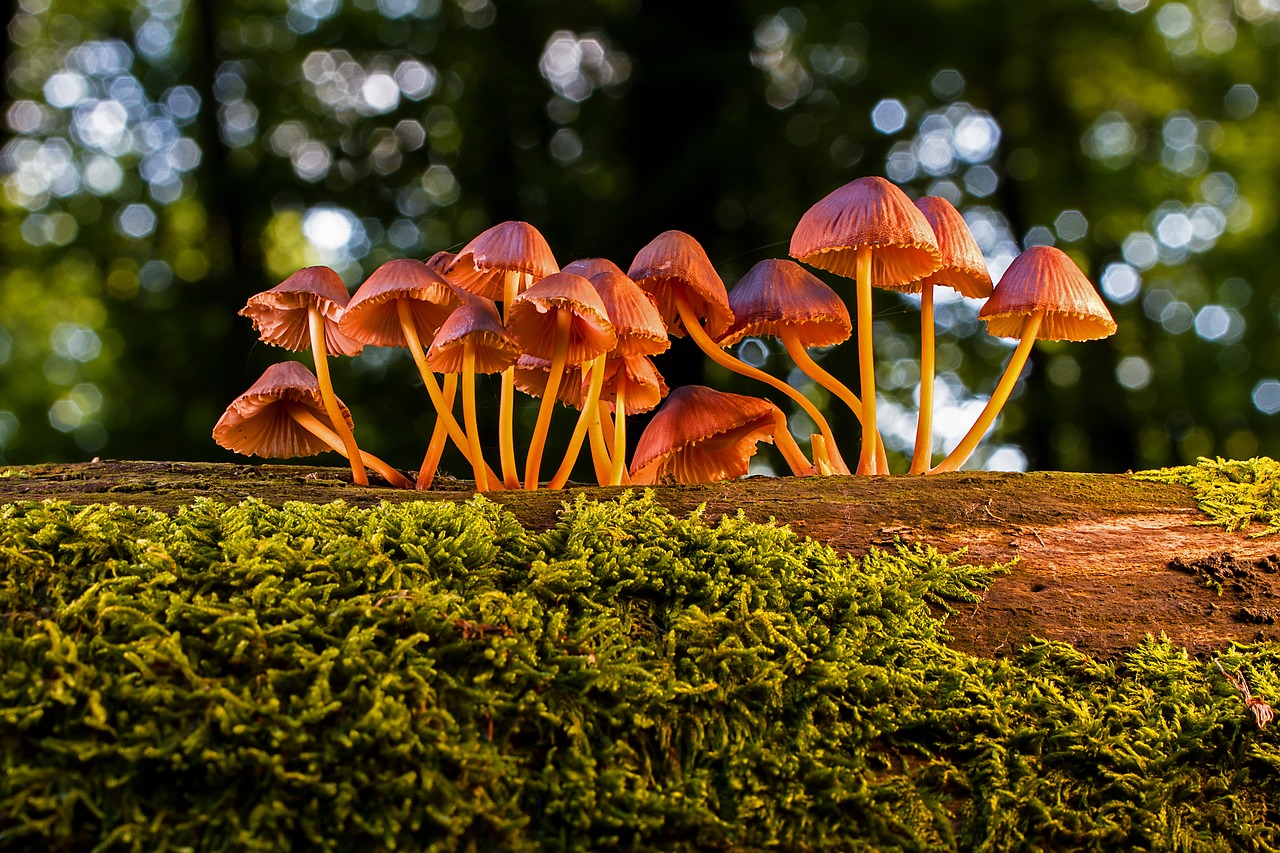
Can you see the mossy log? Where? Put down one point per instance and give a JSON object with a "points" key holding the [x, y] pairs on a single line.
{"points": [[1102, 560]]}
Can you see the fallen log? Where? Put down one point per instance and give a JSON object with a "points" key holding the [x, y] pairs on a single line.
{"points": [[1100, 560]]}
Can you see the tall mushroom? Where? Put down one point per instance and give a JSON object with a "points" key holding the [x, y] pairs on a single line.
{"points": [[498, 264], [472, 340], [303, 312], [283, 415], [701, 435], [965, 271], [870, 231], [562, 319], [691, 298], [402, 304], [1042, 295], [780, 298]]}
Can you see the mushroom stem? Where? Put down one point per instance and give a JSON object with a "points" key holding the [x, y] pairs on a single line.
{"points": [[600, 454], [313, 425], [619, 433], [469, 414], [443, 410], [724, 359], [439, 436], [957, 457], [866, 362], [511, 282], [791, 451], [559, 353], [818, 374], [590, 413], [922, 456], [320, 354]]}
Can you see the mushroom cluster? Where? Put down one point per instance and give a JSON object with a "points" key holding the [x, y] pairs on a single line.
{"points": [[586, 336]]}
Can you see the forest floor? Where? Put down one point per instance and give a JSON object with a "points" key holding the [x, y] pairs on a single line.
{"points": [[1099, 560]]}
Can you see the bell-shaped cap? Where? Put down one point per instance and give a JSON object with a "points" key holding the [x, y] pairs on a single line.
{"points": [[874, 213], [281, 315], [776, 293], [635, 318], [257, 423], [673, 263], [963, 267], [531, 318], [532, 373], [515, 247], [1044, 278], [372, 317], [475, 320], [589, 268], [645, 386], [701, 435]]}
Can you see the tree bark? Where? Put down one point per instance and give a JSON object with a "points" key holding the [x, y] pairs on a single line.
{"points": [[1098, 560]]}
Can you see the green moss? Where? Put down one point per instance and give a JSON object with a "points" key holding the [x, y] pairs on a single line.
{"points": [[1234, 494], [436, 676]]}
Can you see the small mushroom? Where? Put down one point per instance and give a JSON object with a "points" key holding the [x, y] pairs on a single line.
{"points": [[701, 435], [498, 264], [780, 298], [402, 304], [303, 312], [870, 231], [472, 340], [965, 271], [283, 415], [589, 268], [641, 333], [691, 298], [563, 319], [1042, 295]]}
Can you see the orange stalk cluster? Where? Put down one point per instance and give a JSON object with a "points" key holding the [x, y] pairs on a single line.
{"points": [[586, 336]]}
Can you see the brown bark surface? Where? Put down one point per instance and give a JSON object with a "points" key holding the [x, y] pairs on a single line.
{"points": [[1102, 559]]}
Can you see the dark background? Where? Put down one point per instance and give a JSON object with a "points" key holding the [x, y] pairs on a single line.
{"points": [[164, 160]]}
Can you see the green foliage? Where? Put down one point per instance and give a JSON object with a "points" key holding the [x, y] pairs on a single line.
{"points": [[433, 676], [1234, 493]]}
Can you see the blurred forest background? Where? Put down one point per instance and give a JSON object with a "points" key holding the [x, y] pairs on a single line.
{"points": [[163, 160]]}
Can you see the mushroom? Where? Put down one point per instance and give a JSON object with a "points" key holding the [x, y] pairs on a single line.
{"points": [[532, 374], [561, 318], [640, 333], [631, 385], [589, 268], [701, 435], [675, 270], [303, 312], [401, 304], [870, 231], [1042, 295], [780, 298], [472, 340], [284, 414], [965, 271], [498, 264]]}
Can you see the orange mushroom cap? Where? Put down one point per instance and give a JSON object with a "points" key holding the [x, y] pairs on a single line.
{"points": [[372, 317], [491, 254], [776, 293], [532, 374], [1044, 278], [589, 268], [475, 320], [675, 262], [701, 435], [868, 212], [256, 422], [531, 318], [634, 317], [645, 385], [281, 315], [963, 267]]}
